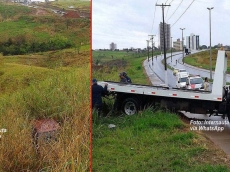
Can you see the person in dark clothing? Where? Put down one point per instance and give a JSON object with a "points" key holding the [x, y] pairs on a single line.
{"points": [[127, 78], [122, 78], [97, 93]]}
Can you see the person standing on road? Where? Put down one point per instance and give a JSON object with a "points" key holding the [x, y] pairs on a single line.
{"points": [[176, 61], [206, 84], [97, 93]]}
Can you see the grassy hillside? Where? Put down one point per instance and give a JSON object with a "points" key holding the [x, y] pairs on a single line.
{"points": [[39, 30], [108, 64], [52, 84]]}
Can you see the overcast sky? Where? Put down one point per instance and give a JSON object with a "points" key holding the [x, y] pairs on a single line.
{"points": [[128, 23]]}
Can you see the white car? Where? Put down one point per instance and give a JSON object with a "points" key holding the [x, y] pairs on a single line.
{"points": [[176, 71]]}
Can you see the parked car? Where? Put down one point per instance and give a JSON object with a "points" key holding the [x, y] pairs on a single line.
{"points": [[195, 82]]}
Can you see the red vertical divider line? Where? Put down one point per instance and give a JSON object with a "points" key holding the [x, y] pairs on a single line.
{"points": [[91, 113]]}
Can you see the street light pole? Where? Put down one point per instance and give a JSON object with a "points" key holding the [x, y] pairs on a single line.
{"points": [[182, 43], [210, 53], [148, 48], [152, 44], [171, 49]]}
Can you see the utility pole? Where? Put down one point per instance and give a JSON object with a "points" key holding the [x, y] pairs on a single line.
{"points": [[166, 78], [210, 53], [182, 44], [171, 49], [152, 45], [148, 48]]}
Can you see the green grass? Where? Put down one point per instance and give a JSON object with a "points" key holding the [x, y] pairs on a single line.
{"points": [[76, 3], [30, 92], [39, 29], [9, 11], [133, 66], [149, 141], [60, 97]]}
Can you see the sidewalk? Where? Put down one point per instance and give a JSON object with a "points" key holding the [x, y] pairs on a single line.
{"points": [[155, 80]]}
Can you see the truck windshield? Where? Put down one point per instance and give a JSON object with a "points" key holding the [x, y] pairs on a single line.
{"points": [[196, 81], [183, 79]]}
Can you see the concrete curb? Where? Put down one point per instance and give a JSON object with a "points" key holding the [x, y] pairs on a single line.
{"points": [[153, 77]]}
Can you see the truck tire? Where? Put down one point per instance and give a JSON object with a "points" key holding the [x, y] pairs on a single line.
{"points": [[130, 106]]}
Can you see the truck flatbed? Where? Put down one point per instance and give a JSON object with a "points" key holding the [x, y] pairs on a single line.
{"points": [[157, 90]]}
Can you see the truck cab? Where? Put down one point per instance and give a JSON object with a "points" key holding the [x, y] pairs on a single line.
{"points": [[181, 79]]}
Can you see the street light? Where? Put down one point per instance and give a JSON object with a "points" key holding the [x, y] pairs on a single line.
{"points": [[171, 49], [182, 42], [210, 53], [148, 48]]}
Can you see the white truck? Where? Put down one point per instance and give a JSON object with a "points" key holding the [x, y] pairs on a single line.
{"points": [[181, 78], [130, 98]]}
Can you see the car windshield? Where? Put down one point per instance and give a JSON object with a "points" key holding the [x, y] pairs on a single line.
{"points": [[182, 70], [196, 81], [183, 79]]}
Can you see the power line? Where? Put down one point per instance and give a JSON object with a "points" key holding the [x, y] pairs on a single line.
{"points": [[168, 9], [175, 10], [183, 13], [153, 18]]}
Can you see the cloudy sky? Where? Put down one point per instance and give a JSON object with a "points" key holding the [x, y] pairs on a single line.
{"points": [[129, 22]]}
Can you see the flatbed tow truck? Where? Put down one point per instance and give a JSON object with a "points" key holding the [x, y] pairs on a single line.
{"points": [[130, 98]]}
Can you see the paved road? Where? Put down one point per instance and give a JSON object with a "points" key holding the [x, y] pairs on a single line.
{"points": [[191, 69], [158, 68], [155, 70]]}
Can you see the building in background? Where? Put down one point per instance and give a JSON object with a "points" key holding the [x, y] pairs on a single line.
{"points": [[177, 45], [193, 42], [113, 46], [167, 36]]}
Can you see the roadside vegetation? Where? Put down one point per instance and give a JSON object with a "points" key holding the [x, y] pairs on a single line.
{"points": [[80, 4], [153, 139], [108, 64], [52, 83]]}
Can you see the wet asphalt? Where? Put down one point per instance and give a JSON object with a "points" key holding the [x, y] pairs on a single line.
{"points": [[215, 128]]}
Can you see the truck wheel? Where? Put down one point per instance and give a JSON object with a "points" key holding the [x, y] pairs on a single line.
{"points": [[130, 106]]}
